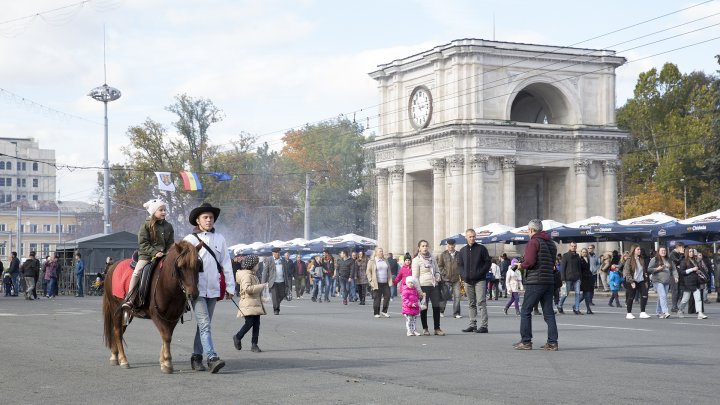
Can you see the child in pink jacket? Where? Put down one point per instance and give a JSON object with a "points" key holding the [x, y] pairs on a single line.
{"points": [[411, 305], [405, 271]]}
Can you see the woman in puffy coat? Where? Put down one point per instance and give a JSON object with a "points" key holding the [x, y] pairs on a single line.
{"points": [[251, 306]]}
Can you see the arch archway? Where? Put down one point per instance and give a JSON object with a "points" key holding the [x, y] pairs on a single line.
{"points": [[541, 103]]}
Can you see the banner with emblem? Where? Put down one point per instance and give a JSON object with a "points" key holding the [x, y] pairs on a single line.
{"points": [[165, 181]]}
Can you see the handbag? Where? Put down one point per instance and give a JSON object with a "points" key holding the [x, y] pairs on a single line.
{"points": [[446, 291]]}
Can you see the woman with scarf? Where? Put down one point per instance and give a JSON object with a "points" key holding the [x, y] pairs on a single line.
{"points": [[380, 280], [425, 269]]}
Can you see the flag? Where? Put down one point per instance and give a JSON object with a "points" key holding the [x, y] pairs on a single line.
{"points": [[165, 181], [190, 181], [220, 176]]}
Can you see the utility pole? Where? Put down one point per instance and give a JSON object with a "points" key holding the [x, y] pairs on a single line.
{"points": [[307, 206]]}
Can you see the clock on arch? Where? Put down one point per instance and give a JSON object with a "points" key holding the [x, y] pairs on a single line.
{"points": [[420, 107]]}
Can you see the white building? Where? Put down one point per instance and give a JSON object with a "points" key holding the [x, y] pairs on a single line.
{"points": [[26, 171], [476, 131]]}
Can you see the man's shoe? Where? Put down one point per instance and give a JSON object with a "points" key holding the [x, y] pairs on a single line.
{"points": [[313, 299], [215, 364], [551, 347], [629, 316], [255, 349], [644, 315], [377, 315], [426, 332], [470, 329], [505, 310], [439, 332], [590, 312], [560, 310], [523, 346], [385, 314], [577, 312], [482, 329], [276, 312], [237, 342], [196, 362], [442, 315], [458, 316], [610, 304], [344, 302], [618, 305]]}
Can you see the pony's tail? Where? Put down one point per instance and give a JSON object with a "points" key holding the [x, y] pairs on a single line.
{"points": [[108, 331]]}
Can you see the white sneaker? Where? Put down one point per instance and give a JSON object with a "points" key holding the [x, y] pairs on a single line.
{"points": [[665, 316], [701, 315], [416, 333], [458, 316], [410, 334], [629, 316], [644, 315], [681, 314], [386, 315], [442, 315], [377, 316]]}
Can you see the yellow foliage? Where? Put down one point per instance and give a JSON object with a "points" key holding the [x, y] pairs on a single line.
{"points": [[651, 200]]}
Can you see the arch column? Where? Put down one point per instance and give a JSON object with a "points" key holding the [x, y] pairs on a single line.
{"points": [[395, 244], [381, 179], [438, 166], [478, 164], [454, 200], [581, 169], [610, 190], [508, 168]]}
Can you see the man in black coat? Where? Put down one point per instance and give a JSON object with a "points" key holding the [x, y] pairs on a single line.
{"points": [[474, 263], [570, 271]]}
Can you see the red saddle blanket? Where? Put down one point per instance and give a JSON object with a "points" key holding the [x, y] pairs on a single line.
{"points": [[121, 278]]}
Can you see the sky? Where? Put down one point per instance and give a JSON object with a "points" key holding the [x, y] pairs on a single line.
{"points": [[272, 65]]}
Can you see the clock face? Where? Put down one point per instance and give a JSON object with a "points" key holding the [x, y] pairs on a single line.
{"points": [[420, 107]]}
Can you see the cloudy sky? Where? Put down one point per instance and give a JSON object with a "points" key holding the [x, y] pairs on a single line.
{"points": [[274, 65]]}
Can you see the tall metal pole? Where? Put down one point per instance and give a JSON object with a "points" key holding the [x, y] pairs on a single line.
{"points": [[106, 178], [684, 196], [105, 94], [19, 234], [307, 206]]}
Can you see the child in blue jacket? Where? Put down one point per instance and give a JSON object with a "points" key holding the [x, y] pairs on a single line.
{"points": [[614, 279]]}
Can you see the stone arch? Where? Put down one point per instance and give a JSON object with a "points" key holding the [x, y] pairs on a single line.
{"points": [[543, 101]]}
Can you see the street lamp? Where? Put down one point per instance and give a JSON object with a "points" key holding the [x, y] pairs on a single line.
{"points": [[684, 196], [106, 94]]}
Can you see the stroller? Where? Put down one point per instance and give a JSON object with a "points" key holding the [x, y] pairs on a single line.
{"points": [[98, 287]]}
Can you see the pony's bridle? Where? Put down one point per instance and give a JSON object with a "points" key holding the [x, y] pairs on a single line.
{"points": [[177, 274]]}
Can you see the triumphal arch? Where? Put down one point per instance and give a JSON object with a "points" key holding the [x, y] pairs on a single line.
{"points": [[476, 131]]}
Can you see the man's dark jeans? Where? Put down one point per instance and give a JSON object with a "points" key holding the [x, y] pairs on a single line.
{"points": [[535, 293]]}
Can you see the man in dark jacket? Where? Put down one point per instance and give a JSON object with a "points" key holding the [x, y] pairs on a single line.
{"points": [[539, 265], [299, 270], [14, 271], [474, 263], [343, 269], [277, 276], [570, 271], [447, 263], [31, 271], [676, 256]]}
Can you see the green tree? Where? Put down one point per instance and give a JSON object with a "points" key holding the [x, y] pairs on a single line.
{"points": [[195, 115], [332, 152], [670, 120]]}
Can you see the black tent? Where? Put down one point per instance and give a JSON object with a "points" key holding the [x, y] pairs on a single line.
{"points": [[95, 248]]}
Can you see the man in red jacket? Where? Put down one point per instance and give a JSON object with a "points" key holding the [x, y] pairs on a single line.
{"points": [[539, 284]]}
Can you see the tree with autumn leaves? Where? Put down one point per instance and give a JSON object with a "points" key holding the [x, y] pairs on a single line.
{"points": [[673, 125]]}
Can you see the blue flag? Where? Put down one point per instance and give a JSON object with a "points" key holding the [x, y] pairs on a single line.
{"points": [[220, 176]]}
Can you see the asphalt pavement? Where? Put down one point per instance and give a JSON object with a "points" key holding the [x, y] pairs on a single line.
{"points": [[52, 350]]}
